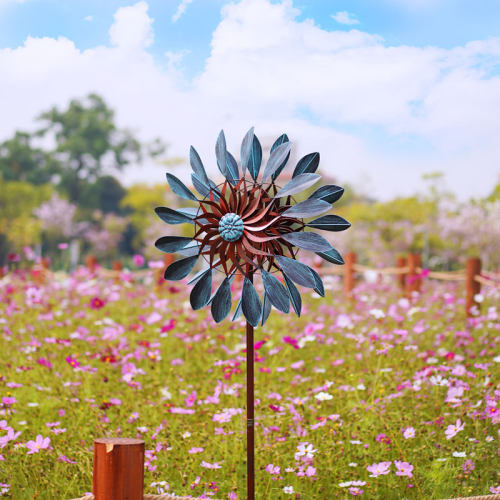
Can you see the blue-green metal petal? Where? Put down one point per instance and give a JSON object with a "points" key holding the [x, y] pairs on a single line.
{"points": [[221, 302], [276, 292], [179, 269], [307, 165], [250, 303]]}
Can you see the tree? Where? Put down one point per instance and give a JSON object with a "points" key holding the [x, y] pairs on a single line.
{"points": [[104, 194], [18, 227], [20, 161], [88, 142]]}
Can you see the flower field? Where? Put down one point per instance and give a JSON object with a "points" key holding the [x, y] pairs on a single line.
{"points": [[379, 397]]}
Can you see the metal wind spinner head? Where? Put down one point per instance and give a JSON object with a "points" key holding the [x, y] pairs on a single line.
{"points": [[249, 225]]}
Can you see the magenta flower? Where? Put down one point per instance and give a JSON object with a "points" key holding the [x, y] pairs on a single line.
{"points": [[44, 362], [96, 303], [380, 469], [7, 400], [138, 260], [383, 438], [40, 443], [293, 342], [72, 362], [170, 325], [403, 468], [453, 430]]}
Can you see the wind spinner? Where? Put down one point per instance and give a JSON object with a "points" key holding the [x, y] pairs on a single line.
{"points": [[249, 225]]}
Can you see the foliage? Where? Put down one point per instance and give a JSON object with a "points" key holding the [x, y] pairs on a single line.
{"points": [[87, 141], [17, 224], [21, 161], [140, 201]]}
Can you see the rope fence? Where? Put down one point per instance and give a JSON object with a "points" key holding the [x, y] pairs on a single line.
{"points": [[410, 274], [165, 496]]}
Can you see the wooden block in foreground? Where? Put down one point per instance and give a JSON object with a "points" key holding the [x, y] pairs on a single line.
{"points": [[118, 469]]}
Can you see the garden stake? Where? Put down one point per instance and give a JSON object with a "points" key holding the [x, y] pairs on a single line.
{"points": [[250, 415]]}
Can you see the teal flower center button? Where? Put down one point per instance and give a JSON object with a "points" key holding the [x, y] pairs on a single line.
{"points": [[231, 227]]}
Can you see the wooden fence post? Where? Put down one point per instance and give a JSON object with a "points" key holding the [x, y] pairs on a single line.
{"points": [[117, 265], [472, 287], [168, 258], [118, 469], [401, 262], [349, 274], [91, 262], [413, 280]]}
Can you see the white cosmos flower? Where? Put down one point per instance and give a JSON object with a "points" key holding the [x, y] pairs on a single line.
{"points": [[323, 396]]}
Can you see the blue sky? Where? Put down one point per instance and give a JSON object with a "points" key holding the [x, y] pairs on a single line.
{"points": [[389, 89], [443, 23]]}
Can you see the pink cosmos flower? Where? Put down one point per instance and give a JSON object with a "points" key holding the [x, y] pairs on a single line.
{"points": [[40, 443], [64, 458], [380, 469], [310, 471], [207, 465], [468, 466], [355, 491], [195, 450], [453, 430], [273, 469], [409, 433], [189, 401], [7, 400], [403, 468]]}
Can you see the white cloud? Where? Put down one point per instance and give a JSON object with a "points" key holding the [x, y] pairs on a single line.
{"points": [[267, 69], [181, 9], [344, 17], [132, 28], [88, 18]]}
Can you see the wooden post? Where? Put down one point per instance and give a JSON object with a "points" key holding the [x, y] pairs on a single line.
{"points": [[413, 281], [117, 265], [118, 469], [91, 262], [349, 274], [401, 262], [472, 287], [168, 258]]}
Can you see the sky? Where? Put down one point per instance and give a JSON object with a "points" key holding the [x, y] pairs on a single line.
{"points": [[385, 90]]}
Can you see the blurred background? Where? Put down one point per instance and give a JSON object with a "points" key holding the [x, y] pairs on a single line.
{"points": [[98, 101]]}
